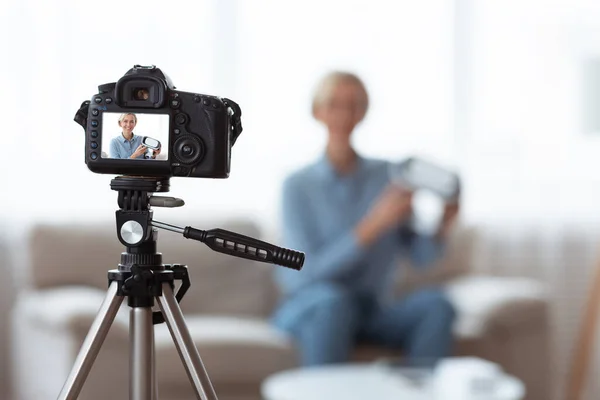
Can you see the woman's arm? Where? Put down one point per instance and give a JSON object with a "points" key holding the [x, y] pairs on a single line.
{"points": [[325, 260], [139, 151]]}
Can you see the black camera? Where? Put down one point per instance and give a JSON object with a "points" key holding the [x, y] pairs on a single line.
{"points": [[141, 125]]}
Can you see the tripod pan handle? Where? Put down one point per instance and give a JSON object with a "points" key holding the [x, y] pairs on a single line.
{"points": [[238, 245]]}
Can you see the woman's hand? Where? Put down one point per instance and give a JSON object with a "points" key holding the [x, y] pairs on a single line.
{"points": [[139, 151], [156, 153], [392, 206]]}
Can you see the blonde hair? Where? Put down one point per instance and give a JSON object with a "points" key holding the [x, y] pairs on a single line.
{"points": [[326, 85], [122, 117]]}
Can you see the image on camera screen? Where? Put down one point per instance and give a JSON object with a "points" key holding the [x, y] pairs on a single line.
{"points": [[135, 136]]}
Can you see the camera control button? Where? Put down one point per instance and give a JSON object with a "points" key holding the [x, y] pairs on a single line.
{"points": [[95, 112], [108, 100], [94, 145], [181, 171], [215, 105], [93, 155], [94, 123], [175, 103], [94, 134], [180, 119], [206, 102], [197, 99], [98, 99], [177, 131]]}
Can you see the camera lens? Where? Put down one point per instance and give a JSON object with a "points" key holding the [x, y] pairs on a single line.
{"points": [[189, 149]]}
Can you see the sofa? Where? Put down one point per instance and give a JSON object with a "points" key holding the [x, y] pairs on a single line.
{"points": [[504, 320]]}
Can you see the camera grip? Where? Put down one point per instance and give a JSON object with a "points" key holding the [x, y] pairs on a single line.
{"points": [[242, 246]]}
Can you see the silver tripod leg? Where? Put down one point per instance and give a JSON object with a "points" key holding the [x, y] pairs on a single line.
{"points": [[185, 345], [141, 339], [92, 344], [154, 380]]}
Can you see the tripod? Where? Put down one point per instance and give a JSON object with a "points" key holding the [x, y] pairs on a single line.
{"points": [[142, 278]]}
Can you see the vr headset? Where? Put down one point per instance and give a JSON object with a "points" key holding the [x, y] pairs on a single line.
{"points": [[415, 173]]}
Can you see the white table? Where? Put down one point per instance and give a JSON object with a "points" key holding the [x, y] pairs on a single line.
{"points": [[365, 382]]}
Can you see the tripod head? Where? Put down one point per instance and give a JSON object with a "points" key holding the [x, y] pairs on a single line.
{"points": [[135, 228], [141, 271]]}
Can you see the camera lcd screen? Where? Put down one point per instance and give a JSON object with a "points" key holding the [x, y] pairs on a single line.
{"points": [[135, 136]]}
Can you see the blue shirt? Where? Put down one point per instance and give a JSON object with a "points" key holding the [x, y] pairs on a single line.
{"points": [[320, 212], [123, 148]]}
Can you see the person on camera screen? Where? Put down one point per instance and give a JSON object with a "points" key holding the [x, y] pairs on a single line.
{"points": [[353, 225], [128, 144]]}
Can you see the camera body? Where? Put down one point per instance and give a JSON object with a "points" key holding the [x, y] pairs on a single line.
{"points": [[141, 125]]}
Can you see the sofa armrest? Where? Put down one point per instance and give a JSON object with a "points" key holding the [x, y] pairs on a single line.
{"points": [[66, 308], [483, 302]]}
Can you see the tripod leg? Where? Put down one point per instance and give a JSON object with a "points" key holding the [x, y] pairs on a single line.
{"points": [[141, 339], [185, 345], [154, 380], [92, 344]]}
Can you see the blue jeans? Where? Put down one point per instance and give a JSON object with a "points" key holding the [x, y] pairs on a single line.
{"points": [[327, 320]]}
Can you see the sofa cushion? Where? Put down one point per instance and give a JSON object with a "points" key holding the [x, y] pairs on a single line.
{"points": [[233, 350], [503, 301]]}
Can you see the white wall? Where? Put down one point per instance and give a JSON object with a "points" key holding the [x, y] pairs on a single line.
{"points": [[528, 153], [266, 55], [512, 123], [531, 162]]}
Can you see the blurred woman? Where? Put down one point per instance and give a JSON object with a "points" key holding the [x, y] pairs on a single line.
{"points": [[352, 224]]}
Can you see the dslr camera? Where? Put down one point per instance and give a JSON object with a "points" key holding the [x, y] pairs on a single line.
{"points": [[141, 125]]}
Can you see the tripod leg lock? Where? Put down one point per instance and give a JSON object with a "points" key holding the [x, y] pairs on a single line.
{"points": [[180, 273], [141, 285]]}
